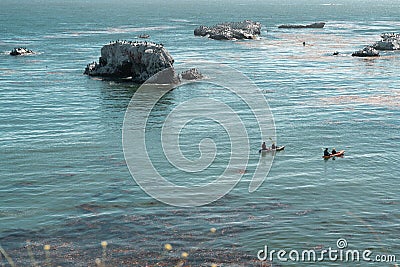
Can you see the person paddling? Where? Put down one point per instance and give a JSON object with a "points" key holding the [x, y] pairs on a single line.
{"points": [[333, 151], [273, 146], [264, 146], [326, 153]]}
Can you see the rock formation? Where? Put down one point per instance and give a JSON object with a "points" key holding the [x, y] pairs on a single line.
{"points": [[389, 41], [137, 61], [367, 51], [295, 26], [191, 74], [144, 36], [20, 51], [246, 29]]}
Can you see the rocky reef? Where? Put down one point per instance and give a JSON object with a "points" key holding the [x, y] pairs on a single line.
{"points": [[144, 36], [296, 26], [191, 74], [246, 29], [389, 41], [20, 51], [367, 51], [137, 61]]}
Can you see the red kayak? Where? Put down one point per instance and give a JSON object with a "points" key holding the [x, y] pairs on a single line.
{"points": [[338, 154]]}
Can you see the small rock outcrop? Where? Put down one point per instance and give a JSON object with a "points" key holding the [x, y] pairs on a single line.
{"points": [[367, 51], [137, 61], [20, 51], [246, 29], [389, 41], [144, 36], [191, 74], [296, 26]]}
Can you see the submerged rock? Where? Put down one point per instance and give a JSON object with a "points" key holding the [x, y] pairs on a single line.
{"points": [[367, 51], [389, 41], [137, 61], [246, 29], [144, 36], [20, 51], [295, 26]]}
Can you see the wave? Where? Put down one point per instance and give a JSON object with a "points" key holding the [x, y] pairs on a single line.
{"points": [[179, 20], [331, 4]]}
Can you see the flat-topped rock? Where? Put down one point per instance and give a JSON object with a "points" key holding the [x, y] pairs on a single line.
{"points": [[298, 26], [367, 51], [246, 29], [137, 61], [389, 41], [20, 51]]}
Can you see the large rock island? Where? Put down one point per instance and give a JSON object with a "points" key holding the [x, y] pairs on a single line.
{"points": [[246, 29], [137, 61]]}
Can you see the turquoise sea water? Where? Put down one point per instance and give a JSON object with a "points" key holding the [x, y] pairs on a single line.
{"points": [[63, 177]]}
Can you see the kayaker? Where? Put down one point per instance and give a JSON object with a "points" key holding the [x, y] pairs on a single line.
{"points": [[264, 146], [273, 146], [326, 153], [333, 151]]}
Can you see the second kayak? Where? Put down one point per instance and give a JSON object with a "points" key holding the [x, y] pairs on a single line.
{"points": [[338, 154]]}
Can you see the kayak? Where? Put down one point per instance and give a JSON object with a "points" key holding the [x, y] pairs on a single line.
{"points": [[338, 154], [279, 148]]}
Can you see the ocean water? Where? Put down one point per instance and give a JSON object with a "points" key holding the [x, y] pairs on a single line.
{"points": [[64, 180]]}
